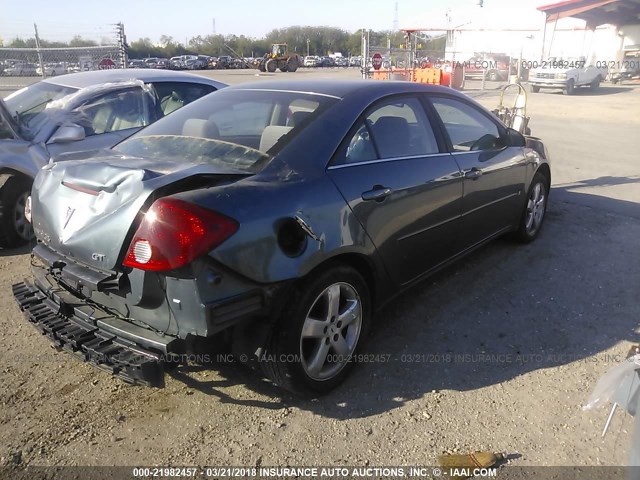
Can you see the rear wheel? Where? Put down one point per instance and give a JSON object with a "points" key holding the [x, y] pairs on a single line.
{"points": [[15, 230], [595, 83], [313, 343], [534, 210], [493, 75]]}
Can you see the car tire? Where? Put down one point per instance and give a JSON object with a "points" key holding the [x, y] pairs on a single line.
{"points": [[535, 88], [535, 209], [493, 76], [302, 354], [570, 88], [292, 65], [595, 84], [14, 228]]}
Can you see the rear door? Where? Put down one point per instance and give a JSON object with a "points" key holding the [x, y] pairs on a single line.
{"points": [[400, 184], [494, 175]]}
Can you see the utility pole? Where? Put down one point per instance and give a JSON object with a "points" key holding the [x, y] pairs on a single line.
{"points": [[42, 72], [396, 22]]}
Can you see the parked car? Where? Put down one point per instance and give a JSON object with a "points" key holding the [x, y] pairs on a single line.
{"points": [[163, 63], [136, 63], [566, 74], [52, 69], [21, 69], [311, 61], [326, 62], [220, 219], [73, 113], [151, 62]]}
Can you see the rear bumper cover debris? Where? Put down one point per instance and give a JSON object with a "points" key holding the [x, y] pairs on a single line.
{"points": [[83, 338]]}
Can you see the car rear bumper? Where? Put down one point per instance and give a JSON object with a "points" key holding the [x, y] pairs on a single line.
{"points": [[86, 341]]}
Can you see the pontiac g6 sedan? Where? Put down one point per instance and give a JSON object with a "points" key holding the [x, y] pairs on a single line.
{"points": [[278, 215]]}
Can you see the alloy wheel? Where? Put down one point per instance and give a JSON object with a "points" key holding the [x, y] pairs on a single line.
{"points": [[535, 208], [331, 331]]}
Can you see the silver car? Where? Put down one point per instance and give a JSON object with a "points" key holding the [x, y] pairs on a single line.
{"points": [[78, 112]]}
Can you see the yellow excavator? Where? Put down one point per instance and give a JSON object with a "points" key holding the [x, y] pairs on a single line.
{"points": [[279, 58]]}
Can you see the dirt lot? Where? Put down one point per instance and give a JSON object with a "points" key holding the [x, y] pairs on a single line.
{"points": [[498, 352]]}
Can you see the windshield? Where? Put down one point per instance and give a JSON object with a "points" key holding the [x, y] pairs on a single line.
{"points": [[235, 128], [26, 104]]}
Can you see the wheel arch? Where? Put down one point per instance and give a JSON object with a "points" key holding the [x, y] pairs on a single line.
{"points": [[6, 172], [546, 171], [360, 263]]}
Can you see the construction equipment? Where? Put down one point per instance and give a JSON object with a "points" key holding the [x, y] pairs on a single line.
{"points": [[279, 58]]}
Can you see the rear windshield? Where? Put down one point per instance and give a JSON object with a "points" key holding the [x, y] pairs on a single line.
{"points": [[27, 104], [236, 128]]}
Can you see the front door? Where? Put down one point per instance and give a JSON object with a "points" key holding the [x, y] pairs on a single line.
{"points": [[405, 192]]}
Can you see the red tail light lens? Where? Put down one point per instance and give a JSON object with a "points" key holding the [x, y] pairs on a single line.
{"points": [[173, 233]]}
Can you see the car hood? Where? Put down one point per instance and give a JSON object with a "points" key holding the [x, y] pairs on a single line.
{"points": [[86, 209], [9, 121]]}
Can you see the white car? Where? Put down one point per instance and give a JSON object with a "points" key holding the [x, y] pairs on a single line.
{"points": [[311, 61]]}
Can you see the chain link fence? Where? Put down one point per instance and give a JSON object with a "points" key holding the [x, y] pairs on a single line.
{"points": [[22, 66]]}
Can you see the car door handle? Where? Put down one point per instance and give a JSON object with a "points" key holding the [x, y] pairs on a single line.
{"points": [[378, 193], [473, 173]]}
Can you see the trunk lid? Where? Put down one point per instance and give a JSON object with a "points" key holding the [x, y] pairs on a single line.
{"points": [[84, 210]]}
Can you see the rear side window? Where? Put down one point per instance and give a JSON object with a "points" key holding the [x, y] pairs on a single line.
{"points": [[394, 129], [467, 127]]}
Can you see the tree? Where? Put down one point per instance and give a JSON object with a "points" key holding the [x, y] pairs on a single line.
{"points": [[78, 41]]}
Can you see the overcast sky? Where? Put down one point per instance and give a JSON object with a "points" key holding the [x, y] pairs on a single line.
{"points": [[62, 19]]}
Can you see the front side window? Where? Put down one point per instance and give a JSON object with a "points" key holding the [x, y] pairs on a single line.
{"points": [[467, 127]]}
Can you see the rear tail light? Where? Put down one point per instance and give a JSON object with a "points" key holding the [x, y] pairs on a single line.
{"points": [[173, 233]]}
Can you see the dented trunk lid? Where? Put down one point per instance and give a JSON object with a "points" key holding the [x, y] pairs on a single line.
{"points": [[85, 209]]}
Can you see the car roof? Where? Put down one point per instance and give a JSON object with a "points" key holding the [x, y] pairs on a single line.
{"points": [[86, 79], [342, 88]]}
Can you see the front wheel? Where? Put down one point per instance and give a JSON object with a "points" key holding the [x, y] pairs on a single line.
{"points": [[535, 88], [271, 65], [595, 83], [570, 88], [15, 230], [314, 342], [534, 210]]}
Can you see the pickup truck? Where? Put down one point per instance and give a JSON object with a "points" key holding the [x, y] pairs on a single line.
{"points": [[566, 74]]}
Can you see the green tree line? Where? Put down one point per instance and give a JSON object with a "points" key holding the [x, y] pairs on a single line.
{"points": [[300, 39]]}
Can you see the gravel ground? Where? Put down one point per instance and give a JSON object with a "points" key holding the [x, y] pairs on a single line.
{"points": [[498, 352]]}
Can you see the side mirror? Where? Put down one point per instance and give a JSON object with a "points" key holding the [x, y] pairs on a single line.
{"points": [[68, 133], [515, 138]]}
